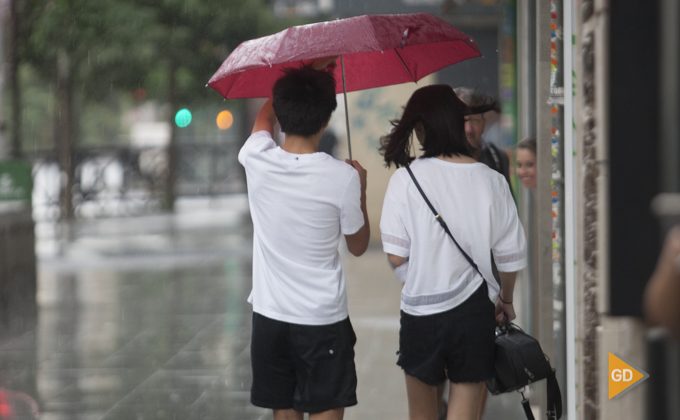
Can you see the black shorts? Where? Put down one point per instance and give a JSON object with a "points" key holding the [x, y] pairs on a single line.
{"points": [[309, 368], [458, 344]]}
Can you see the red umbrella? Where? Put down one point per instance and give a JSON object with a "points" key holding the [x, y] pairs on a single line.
{"points": [[375, 50]]}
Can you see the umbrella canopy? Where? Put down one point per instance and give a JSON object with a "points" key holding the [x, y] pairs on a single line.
{"points": [[377, 50]]}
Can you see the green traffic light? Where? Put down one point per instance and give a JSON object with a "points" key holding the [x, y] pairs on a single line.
{"points": [[183, 118]]}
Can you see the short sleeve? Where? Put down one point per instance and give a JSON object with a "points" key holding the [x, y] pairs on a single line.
{"points": [[351, 216], [395, 238], [256, 143], [508, 240]]}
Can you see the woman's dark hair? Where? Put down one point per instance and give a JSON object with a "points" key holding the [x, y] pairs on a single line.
{"points": [[528, 143], [303, 100], [442, 115]]}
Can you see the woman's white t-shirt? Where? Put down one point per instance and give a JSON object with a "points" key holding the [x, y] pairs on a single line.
{"points": [[299, 204], [476, 203]]}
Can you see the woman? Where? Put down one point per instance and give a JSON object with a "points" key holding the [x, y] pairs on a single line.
{"points": [[447, 311], [526, 162]]}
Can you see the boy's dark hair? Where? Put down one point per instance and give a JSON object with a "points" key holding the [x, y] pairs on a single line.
{"points": [[442, 115], [303, 100]]}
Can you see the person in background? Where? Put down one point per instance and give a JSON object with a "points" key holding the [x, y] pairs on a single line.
{"points": [[525, 165], [449, 310], [475, 123], [328, 142], [662, 292], [301, 201], [492, 128]]}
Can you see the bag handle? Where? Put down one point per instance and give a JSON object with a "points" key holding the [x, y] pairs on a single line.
{"points": [[441, 221]]}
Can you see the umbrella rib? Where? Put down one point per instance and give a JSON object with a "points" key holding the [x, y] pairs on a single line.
{"points": [[276, 54], [226, 95], [396, 51]]}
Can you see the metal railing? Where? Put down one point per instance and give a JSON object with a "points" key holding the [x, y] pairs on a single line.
{"points": [[125, 180]]}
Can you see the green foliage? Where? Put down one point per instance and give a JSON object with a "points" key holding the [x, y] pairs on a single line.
{"points": [[37, 112], [99, 39], [195, 36], [114, 47]]}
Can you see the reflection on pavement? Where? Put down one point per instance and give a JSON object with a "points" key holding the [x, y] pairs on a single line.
{"points": [[146, 318], [17, 405], [140, 318]]}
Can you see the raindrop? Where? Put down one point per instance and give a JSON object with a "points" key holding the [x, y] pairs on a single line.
{"points": [[241, 384]]}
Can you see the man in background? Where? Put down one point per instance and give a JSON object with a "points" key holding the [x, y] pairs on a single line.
{"points": [[488, 153]]}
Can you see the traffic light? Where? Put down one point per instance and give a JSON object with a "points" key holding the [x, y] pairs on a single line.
{"points": [[224, 120], [183, 118]]}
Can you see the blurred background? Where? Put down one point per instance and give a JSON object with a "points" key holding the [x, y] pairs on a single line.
{"points": [[125, 254]]}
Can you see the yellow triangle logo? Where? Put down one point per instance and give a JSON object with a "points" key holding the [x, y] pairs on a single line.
{"points": [[623, 376]]}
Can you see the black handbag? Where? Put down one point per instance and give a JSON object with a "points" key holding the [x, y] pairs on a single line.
{"points": [[520, 361]]}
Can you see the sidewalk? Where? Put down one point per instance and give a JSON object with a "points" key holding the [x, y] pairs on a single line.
{"points": [[146, 318]]}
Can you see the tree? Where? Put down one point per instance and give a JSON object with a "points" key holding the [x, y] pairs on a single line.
{"points": [[88, 49], [191, 39], [86, 43], [170, 47]]}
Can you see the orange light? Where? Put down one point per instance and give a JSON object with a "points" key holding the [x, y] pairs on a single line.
{"points": [[139, 94], [224, 120]]}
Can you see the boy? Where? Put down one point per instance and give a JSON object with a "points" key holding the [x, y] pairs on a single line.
{"points": [[300, 201]]}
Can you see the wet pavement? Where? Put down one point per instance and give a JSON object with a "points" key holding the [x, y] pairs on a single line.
{"points": [[146, 318]]}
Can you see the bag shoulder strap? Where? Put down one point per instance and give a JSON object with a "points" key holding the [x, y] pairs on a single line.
{"points": [[554, 406], [441, 221], [494, 154], [554, 396]]}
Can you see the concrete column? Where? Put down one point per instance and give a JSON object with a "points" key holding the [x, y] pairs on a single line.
{"points": [[526, 68], [4, 15], [18, 276], [670, 108], [544, 286]]}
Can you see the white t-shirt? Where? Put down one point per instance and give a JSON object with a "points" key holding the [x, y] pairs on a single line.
{"points": [[299, 205], [477, 206]]}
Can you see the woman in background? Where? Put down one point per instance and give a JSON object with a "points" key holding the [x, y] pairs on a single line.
{"points": [[526, 162]]}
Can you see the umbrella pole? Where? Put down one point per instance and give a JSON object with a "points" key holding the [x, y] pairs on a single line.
{"points": [[344, 91]]}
